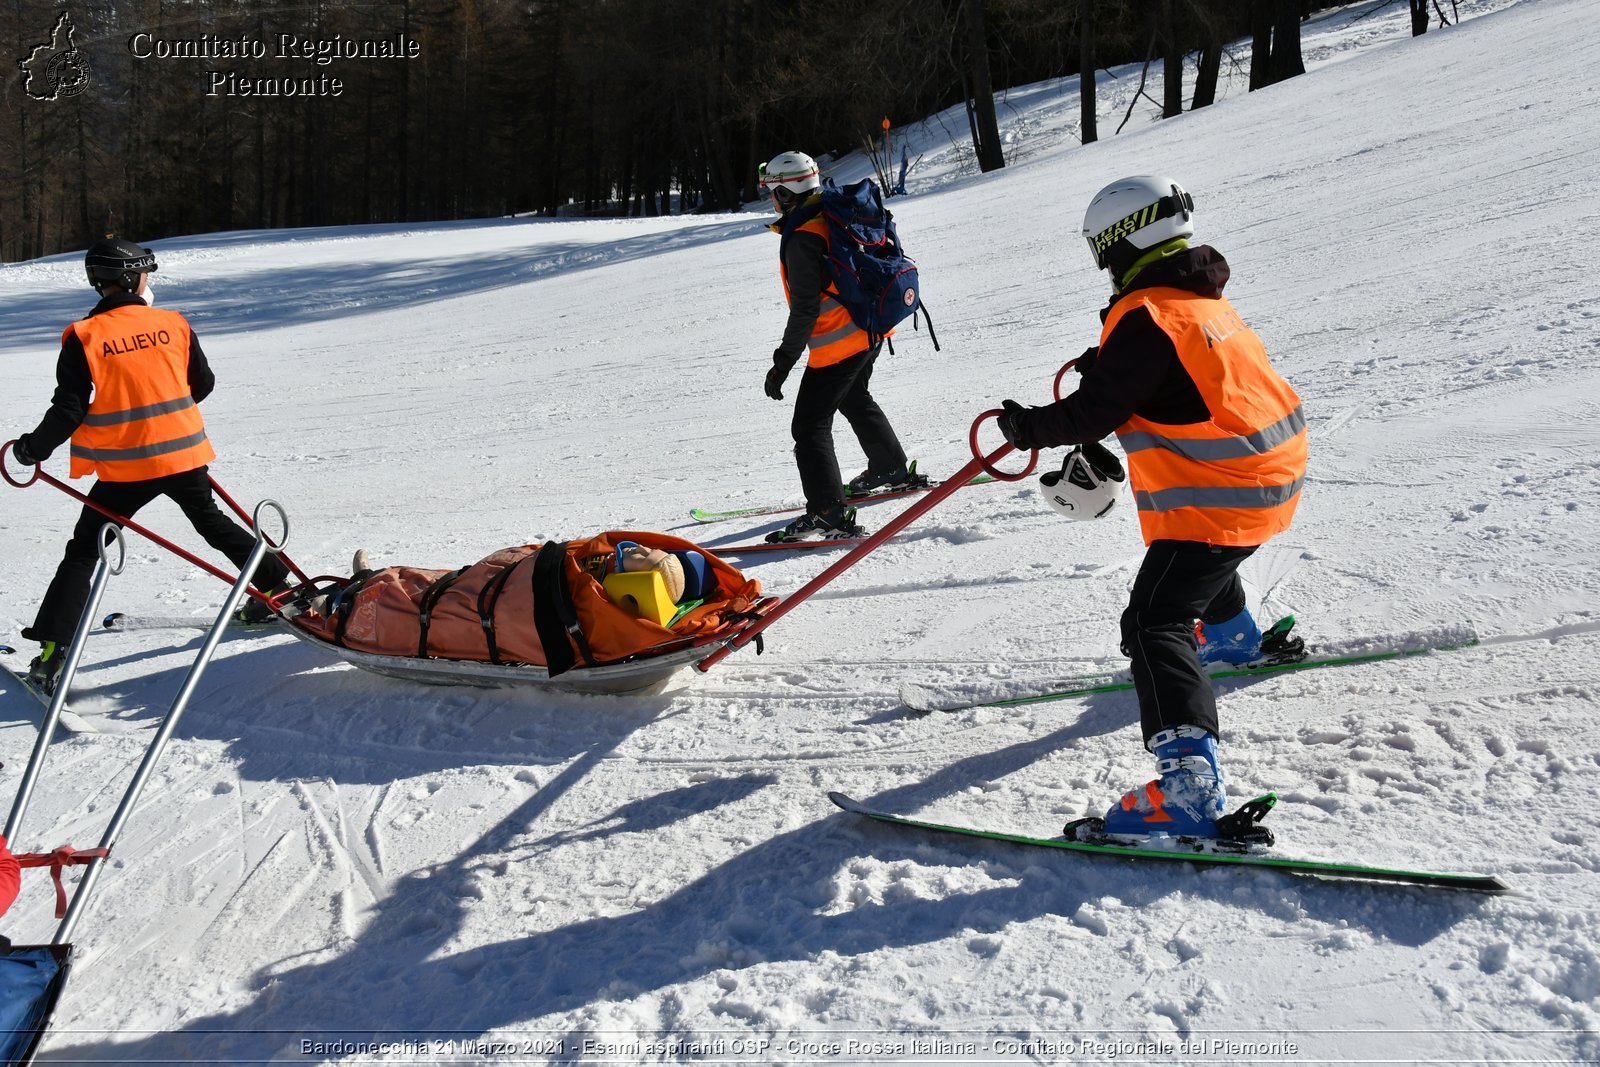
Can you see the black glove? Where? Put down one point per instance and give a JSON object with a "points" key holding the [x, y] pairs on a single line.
{"points": [[781, 366], [1011, 425], [1086, 360], [22, 452]]}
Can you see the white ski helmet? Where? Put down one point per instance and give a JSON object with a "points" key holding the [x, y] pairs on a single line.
{"points": [[1133, 215], [788, 177], [1087, 486]]}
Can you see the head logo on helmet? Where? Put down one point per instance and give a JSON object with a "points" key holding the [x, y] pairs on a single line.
{"points": [[1087, 486], [115, 261], [788, 177], [1133, 215]]}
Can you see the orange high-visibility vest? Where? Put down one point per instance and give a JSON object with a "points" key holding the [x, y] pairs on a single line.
{"points": [[142, 422], [1234, 480], [834, 336]]}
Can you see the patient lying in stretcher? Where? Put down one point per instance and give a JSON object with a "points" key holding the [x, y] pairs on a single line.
{"points": [[592, 601]]}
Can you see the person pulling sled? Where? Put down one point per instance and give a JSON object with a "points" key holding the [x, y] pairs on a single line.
{"points": [[1216, 448], [129, 379]]}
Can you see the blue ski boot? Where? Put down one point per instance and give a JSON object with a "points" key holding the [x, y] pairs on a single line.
{"points": [[1186, 800], [1236, 641]]}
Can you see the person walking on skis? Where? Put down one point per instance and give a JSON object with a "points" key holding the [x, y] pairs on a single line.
{"points": [[1216, 448], [128, 379], [838, 368]]}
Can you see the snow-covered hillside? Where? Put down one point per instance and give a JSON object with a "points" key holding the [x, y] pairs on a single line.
{"points": [[329, 856]]}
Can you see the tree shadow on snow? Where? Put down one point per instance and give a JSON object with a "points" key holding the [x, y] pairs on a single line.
{"points": [[773, 902], [244, 300], [793, 897], [355, 727]]}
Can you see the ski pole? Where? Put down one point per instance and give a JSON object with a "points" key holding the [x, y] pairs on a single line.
{"points": [[169, 725], [109, 535], [120, 520], [929, 500]]}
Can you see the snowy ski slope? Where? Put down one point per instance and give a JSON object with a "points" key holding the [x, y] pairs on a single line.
{"points": [[330, 857]]}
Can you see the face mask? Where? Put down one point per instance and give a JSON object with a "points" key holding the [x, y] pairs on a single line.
{"points": [[149, 294]]}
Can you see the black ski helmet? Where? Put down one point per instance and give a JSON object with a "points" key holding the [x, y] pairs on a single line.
{"points": [[115, 260]]}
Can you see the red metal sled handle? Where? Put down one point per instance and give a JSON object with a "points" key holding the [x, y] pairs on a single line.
{"points": [[251, 521], [927, 502], [1062, 373], [5, 472], [124, 521], [985, 462]]}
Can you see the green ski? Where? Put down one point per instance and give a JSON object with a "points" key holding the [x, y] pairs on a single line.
{"points": [[921, 698], [1181, 853]]}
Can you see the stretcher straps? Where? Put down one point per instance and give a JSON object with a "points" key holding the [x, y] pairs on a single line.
{"points": [[554, 616], [344, 604], [488, 598], [425, 607], [65, 856]]}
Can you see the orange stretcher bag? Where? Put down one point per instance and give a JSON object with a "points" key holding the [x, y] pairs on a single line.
{"points": [[534, 604]]}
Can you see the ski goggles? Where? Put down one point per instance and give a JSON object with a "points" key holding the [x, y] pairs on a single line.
{"points": [[1101, 243], [770, 181]]}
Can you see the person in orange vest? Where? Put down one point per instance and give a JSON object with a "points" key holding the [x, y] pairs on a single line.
{"points": [[1216, 448], [838, 368], [128, 380]]}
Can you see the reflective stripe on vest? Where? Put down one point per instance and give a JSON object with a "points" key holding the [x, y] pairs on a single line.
{"points": [[114, 418], [1253, 444], [1218, 496], [142, 422], [834, 336], [1236, 478]]}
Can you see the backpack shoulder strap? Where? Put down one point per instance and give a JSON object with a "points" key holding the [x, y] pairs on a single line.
{"points": [[793, 221]]}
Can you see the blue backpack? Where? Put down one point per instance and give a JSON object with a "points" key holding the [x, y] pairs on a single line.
{"points": [[875, 279]]}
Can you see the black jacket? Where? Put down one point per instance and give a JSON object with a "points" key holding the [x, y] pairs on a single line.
{"points": [[1138, 371], [75, 386]]}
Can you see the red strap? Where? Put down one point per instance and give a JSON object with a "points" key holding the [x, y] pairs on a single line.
{"points": [[65, 856]]}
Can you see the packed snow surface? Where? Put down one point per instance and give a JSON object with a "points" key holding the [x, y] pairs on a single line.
{"points": [[328, 860]]}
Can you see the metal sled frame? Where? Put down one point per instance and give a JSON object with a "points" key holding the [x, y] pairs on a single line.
{"points": [[17, 1048], [639, 671]]}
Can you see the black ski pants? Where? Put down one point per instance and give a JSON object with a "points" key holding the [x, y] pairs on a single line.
{"points": [[840, 388], [1179, 582], [63, 602]]}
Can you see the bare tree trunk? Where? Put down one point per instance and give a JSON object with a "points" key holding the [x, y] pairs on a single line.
{"points": [[1260, 44], [1419, 17], [1286, 61], [1086, 72], [990, 155], [1171, 62], [1205, 82]]}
